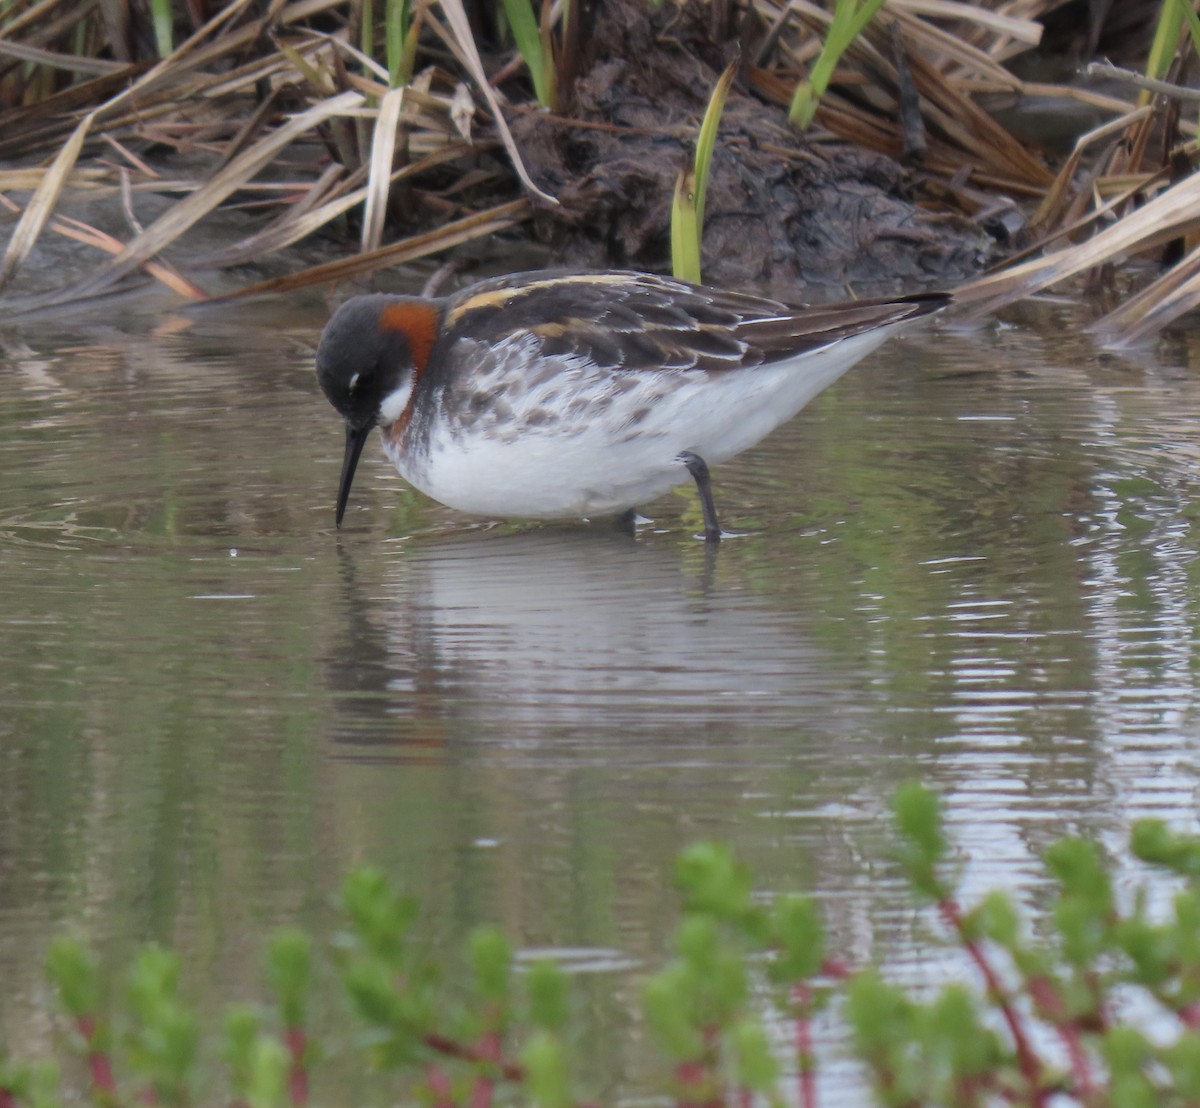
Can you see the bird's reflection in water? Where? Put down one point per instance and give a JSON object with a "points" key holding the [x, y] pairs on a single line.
{"points": [[574, 636]]}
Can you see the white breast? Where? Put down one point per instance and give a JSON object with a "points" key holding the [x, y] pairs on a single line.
{"points": [[553, 437]]}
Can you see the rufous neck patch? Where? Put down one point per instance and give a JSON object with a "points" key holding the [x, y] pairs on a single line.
{"points": [[418, 323]]}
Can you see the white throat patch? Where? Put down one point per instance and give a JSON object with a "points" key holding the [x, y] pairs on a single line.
{"points": [[394, 403]]}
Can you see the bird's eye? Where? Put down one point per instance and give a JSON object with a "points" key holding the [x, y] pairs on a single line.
{"points": [[352, 382]]}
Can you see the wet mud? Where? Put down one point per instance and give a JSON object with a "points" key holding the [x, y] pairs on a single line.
{"points": [[782, 212]]}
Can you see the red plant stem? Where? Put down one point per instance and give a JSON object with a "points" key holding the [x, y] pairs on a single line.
{"points": [[1097, 991], [690, 1073], [693, 1077], [488, 1049], [806, 1075], [836, 968], [696, 1076], [1080, 1065], [451, 1048], [439, 1085], [104, 1085], [1030, 1069], [296, 1041], [1190, 1014], [1043, 993], [7, 1097]]}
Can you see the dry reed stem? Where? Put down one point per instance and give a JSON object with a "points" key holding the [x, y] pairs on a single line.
{"points": [[1172, 213], [379, 175], [42, 203], [456, 16], [219, 92], [1161, 302], [473, 227], [1020, 29], [91, 236]]}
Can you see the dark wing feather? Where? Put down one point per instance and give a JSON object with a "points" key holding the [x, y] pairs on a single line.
{"points": [[801, 329], [636, 320]]}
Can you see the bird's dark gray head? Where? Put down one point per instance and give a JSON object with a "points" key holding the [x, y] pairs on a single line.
{"points": [[365, 365], [361, 361]]}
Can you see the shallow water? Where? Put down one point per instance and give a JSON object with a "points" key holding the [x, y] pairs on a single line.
{"points": [[973, 561]]}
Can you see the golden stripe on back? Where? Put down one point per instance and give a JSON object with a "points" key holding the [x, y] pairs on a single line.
{"points": [[496, 298]]}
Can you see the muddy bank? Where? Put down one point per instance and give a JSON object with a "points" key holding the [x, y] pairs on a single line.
{"points": [[783, 213]]}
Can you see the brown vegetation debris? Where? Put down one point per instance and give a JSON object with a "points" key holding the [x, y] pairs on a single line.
{"points": [[782, 212]]}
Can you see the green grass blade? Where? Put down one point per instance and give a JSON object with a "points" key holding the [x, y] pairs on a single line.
{"points": [[160, 14], [1163, 46], [708, 137], [685, 229], [859, 24], [528, 37], [549, 70], [849, 21], [366, 29], [804, 105], [1193, 22], [691, 187], [396, 40]]}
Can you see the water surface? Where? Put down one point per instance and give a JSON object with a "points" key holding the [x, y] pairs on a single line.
{"points": [[973, 561]]}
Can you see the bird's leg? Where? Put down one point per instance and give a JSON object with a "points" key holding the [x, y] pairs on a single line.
{"points": [[627, 522], [698, 468]]}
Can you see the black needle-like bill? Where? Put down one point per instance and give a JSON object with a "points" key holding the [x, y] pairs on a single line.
{"points": [[355, 441]]}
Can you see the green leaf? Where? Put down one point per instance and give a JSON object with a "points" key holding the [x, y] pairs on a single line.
{"points": [[1166, 35], [667, 998], [1153, 841], [849, 21], [270, 1065], [698, 941], [799, 940], [879, 1014], [369, 987], [396, 26], [713, 881], [242, 1026], [1183, 1059], [72, 968], [491, 961], [707, 141], [30, 1086], [691, 186], [549, 995], [366, 38], [954, 1022], [996, 918], [289, 972], [754, 1061], [1149, 948], [163, 19], [1126, 1053], [685, 229], [527, 34], [381, 918], [545, 1063], [919, 819]]}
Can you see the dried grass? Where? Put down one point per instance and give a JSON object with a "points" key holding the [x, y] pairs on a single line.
{"points": [[1112, 199], [258, 115], [285, 113]]}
